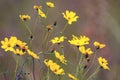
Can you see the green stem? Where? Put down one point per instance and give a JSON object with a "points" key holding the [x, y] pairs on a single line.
{"points": [[48, 73], [16, 68], [64, 27], [96, 71], [28, 28], [90, 66], [35, 24], [33, 69], [44, 40], [48, 39], [78, 67]]}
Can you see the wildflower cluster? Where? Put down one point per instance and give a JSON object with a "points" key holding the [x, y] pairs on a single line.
{"points": [[16, 46], [52, 48], [54, 67]]}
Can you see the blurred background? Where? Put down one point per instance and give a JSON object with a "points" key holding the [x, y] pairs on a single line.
{"points": [[99, 20]]}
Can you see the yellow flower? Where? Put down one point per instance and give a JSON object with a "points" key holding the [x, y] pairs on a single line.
{"points": [[99, 45], [33, 54], [9, 44], [60, 57], [50, 4], [17, 47], [72, 77], [83, 40], [21, 45], [58, 40], [49, 27], [70, 16], [37, 7], [19, 52], [55, 68], [39, 10], [24, 17], [41, 13], [85, 51], [103, 63], [48, 63]]}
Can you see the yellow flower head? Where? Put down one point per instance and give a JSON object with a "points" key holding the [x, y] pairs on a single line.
{"points": [[50, 4], [60, 57], [49, 27], [58, 40], [39, 10], [72, 77], [81, 41], [37, 7], [48, 62], [70, 16], [24, 17], [103, 63], [99, 45], [21, 47], [41, 13], [19, 52], [33, 54], [17, 47], [9, 44], [21, 44], [85, 51], [55, 68]]}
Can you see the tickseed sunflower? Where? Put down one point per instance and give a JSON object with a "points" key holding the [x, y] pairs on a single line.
{"points": [[103, 63], [85, 51], [79, 41], [99, 45], [17, 46], [54, 67], [24, 17], [58, 40], [70, 16], [19, 52], [50, 4], [33, 54], [60, 57], [39, 10], [8, 44], [36, 7], [41, 13], [72, 77]]}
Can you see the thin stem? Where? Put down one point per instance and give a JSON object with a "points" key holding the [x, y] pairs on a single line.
{"points": [[64, 27], [78, 67], [44, 40], [96, 71], [48, 73], [90, 65], [28, 28], [33, 69], [16, 68], [50, 47], [35, 24], [48, 38], [20, 71], [47, 12]]}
